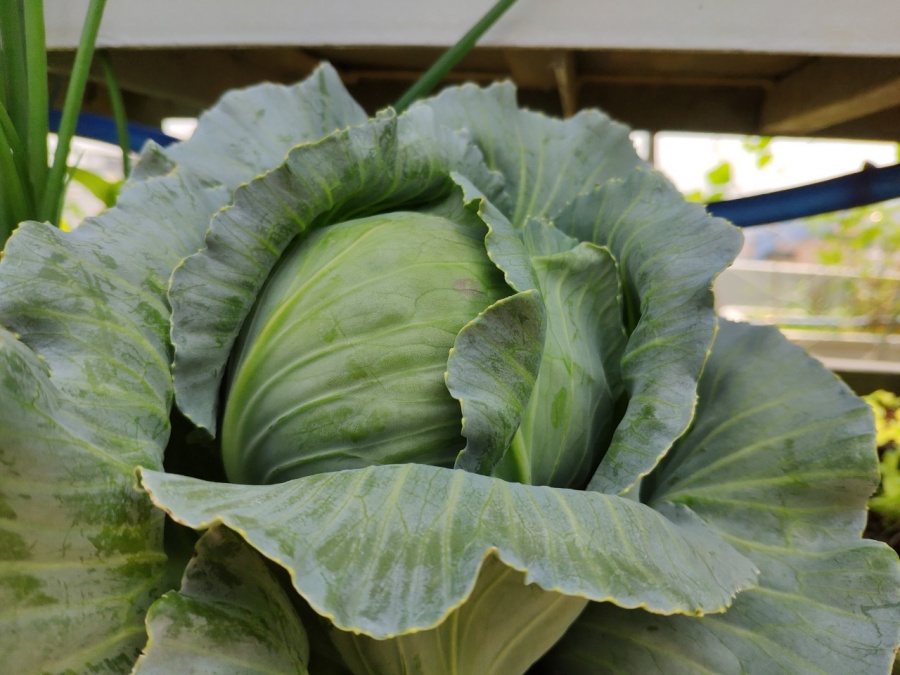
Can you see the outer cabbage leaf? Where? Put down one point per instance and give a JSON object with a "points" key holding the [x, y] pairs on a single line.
{"points": [[546, 162], [390, 550], [780, 461], [85, 392], [668, 252], [249, 131], [502, 629], [231, 615]]}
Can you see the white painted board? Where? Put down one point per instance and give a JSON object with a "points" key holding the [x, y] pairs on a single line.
{"points": [[840, 27]]}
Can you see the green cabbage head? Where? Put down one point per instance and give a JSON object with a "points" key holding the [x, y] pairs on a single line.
{"points": [[342, 364], [433, 393]]}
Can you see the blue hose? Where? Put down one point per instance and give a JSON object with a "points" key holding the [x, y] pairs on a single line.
{"points": [[869, 186], [102, 128]]}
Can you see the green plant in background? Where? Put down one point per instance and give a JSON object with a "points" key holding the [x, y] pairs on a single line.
{"points": [[478, 347], [887, 428], [719, 178], [759, 147], [76, 208], [29, 188], [865, 240]]}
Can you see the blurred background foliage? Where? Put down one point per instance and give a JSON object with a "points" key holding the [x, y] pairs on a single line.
{"points": [[884, 518]]}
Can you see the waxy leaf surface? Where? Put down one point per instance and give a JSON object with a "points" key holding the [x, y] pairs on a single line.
{"points": [[230, 615], [780, 462], [393, 549], [85, 393]]}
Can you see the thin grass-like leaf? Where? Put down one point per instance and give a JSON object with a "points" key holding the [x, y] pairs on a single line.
{"points": [[51, 204], [452, 56], [12, 36], [9, 140], [12, 193], [37, 96], [104, 190], [118, 110]]}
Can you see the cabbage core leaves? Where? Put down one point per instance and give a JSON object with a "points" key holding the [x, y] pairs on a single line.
{"points": [[341, 363]]}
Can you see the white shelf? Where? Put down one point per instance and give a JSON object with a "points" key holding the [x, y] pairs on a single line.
{"points": [[833, 27]]}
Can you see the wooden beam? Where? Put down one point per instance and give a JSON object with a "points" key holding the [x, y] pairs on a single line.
{"points": [[532, 68], [826, 93], [882, 126], [194, 78], [729, 110], [546, 70]]}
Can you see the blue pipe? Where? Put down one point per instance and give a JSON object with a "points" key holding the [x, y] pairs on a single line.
{"points": [[869, 186], [103, 128]]}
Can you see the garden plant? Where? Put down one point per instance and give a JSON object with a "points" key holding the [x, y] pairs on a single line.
{"points": [[432, 392], [30, 186]]}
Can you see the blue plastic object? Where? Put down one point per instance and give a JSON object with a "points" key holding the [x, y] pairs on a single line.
{"points": [[102, 128], [869, 186]]}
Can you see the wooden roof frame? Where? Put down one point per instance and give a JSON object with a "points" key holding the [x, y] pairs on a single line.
{"points": [[785, 67]]}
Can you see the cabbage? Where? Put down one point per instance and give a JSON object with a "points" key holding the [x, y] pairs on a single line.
{"points": [[440, 392]]}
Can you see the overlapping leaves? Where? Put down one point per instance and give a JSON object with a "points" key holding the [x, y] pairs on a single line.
{"points": [[386, 164], [82, 553], [231, 615], [779, 461], [390, 550], [769, 481], [584, 175], [85, 391]]}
